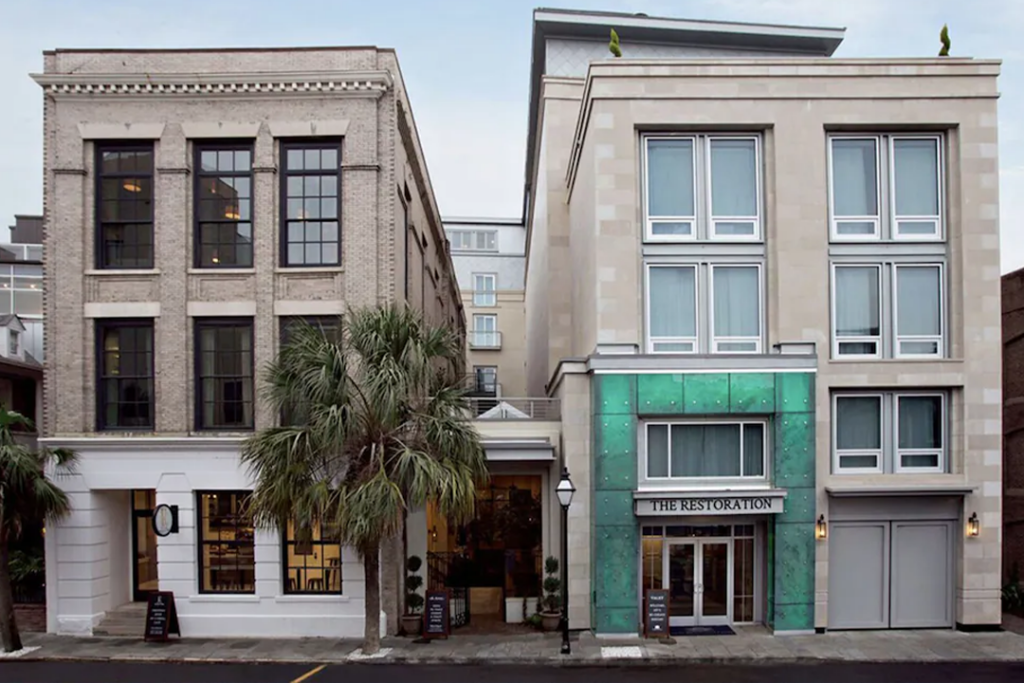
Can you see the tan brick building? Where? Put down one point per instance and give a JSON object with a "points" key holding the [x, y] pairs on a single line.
{"points": [[195, 201], [1013, 422]]}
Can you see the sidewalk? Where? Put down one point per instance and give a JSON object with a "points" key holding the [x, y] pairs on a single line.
{"points": [[750, 645]]}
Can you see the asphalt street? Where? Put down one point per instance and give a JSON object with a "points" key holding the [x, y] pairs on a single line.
{"points": [[129, 672]]}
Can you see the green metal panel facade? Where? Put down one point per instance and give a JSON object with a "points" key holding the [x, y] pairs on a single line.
{"points": [[619, 403]]}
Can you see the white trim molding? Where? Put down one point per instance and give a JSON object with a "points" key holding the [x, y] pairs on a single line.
{"points": [[308, 129], [122, 309], [317, 83], [121, 131], [220, 129], [138, 444], [217, 309], [283, 307]]}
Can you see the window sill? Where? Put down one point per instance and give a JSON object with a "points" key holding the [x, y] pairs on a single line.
{"points": [[226, 597], [326, 597], [300, 270], [221, 271], [899, 359], [108, 272]]}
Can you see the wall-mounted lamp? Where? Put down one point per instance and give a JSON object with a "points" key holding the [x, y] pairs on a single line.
{"points": [[433, 533], [973, 525], [821, 528]]}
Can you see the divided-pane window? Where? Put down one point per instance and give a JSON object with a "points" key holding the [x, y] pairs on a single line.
{"points": [[125, 377], [737, 309], [672, 300], [124, 205], [888, 310], [312, 179], [706, 450], [486, 379], [485, 332], [330, 325], [886, 187], [224, 374], [889, 432], [484, 289], [312, 558], [227, 550], [473, 240], [702, 187], [223, 205]]}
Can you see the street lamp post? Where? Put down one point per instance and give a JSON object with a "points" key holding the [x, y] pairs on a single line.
{"points": [[565, 491]]}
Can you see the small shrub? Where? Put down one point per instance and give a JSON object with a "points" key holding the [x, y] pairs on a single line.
{"points": [[413, 583], [552, 586]]}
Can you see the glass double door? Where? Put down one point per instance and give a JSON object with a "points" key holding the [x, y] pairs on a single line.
{"points": [[699, 578]]}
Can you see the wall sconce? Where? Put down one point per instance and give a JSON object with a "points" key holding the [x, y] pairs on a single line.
{"points": [[433, 533], [821, 528], [973, 526]]}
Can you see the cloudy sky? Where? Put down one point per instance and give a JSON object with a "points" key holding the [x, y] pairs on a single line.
{"points": [[466, 65]]}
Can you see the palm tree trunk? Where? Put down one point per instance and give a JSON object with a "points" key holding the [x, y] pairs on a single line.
{"points": [[371, 574], [8, 626]]}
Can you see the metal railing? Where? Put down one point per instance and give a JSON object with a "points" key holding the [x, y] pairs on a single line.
{"points": [[484, 340], [503, 408]]}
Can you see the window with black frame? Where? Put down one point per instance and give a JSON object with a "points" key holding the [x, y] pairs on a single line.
{"points": [[223, 206], [227, 551], [125, 382], [224, 374], [331, 327], [311, 181], [312, 559], [124, 205]]}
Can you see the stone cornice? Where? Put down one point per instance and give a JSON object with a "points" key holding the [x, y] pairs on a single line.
{"points": [[336, 83]]}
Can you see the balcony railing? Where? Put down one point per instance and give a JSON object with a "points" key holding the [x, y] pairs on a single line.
{"points": [[495, 408], [484, 340]]}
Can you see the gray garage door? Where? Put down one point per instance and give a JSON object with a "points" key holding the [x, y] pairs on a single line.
{"points": [[890, 574]]}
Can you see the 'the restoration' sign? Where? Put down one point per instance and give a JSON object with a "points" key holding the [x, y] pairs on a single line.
{"points": [[717, 505]]}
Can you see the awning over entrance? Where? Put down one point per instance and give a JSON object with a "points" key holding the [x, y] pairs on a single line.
{"points": [[518, 450], [726, 502]]}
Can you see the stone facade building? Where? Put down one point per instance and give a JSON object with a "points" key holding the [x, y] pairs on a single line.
{"points": [[196, 201]]}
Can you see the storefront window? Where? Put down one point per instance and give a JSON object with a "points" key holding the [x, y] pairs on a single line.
{"points": [[706, 450], [652, 546], [227, 562], [312, 559], [743, 576]]}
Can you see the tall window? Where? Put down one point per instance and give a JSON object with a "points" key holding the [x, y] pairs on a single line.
{"points": [[21, 289], [702, 187], [125, 383], [312, 558], [485, 333], [124, 205], [886, 187], [227, 551], [888, 310], [711, 450], [224, 364], [310, 187], [329, 324], [486, 379], [223, 205], [473, 240], [889, 432], [704, 308], [484, 286]]}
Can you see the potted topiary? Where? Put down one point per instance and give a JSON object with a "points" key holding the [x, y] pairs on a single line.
{"points": [[552, 613], [412, 622]]}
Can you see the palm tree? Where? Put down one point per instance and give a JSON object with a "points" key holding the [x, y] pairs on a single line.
{"points": [[377, 423], [26, 496]]}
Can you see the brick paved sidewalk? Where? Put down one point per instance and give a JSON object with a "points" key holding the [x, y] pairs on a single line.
{"points": [[748, 646]]}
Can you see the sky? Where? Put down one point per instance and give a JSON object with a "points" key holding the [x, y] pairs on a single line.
{"points": [[466, 66]]}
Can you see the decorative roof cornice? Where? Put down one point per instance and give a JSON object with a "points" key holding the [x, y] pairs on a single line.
{"points": [[336, 83]]}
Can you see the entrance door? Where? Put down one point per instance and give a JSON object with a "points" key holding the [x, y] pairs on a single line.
{"points": [[699, 581], [144, 573]]}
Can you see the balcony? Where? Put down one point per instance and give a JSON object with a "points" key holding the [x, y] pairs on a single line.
{"points": [[484, 340], [495, 408]]}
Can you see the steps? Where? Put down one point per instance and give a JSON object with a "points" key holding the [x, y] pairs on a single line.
{"points": [[126, 620]]}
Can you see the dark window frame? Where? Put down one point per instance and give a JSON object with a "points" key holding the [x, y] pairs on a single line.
{"points": [[200, 324], [100, 253], [101, 328], [285, 173], [199, 175], [331, 326], [201, 541], [292, 540]]}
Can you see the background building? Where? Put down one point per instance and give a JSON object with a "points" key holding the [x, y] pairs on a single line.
{"points": [[195, 203], [1013, 422], [769, 281]]}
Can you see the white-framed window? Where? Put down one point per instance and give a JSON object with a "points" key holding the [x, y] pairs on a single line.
{"points": [[484, 289], [702, 187], [704, 307], [485, 331], [889, 432], [14, 337], [705, 450], [473, 240], [888, 310], [885, 187]]}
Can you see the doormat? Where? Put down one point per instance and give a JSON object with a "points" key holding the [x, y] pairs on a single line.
{"points": [[702, 631]]}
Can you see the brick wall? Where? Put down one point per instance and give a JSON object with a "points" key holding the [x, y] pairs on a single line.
{"points": [[1013, 421]]}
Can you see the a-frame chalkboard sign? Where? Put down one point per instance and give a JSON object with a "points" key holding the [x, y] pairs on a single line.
{"points": [[161, 617]]}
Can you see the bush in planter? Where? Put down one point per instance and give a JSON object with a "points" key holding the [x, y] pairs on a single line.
{"points": [[1013, 592], [411, 623], [552, 603]]}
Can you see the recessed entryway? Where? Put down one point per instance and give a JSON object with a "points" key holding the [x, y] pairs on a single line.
{"points": [[144, 571]]}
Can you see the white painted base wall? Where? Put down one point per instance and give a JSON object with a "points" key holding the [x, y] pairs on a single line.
{"points": [[88, 555]]}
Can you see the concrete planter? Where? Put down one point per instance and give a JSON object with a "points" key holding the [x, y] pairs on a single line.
{"points": [[412, 624], [549, 620]]}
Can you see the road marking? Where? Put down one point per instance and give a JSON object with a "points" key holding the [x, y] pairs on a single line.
{"points": [[310, 673]]}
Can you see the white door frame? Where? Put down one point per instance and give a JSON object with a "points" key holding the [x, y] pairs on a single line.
{"points": [[699, 618]]}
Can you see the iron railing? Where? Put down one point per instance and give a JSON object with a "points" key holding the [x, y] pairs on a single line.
{"points": [[504, 408], [484, 340]]}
